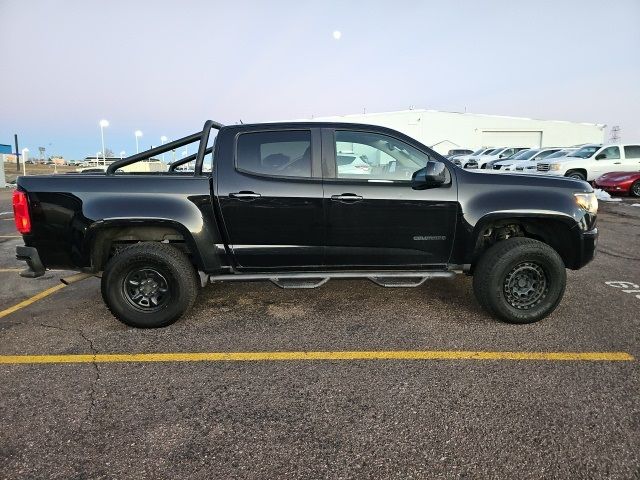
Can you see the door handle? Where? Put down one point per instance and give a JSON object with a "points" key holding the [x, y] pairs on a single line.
{"points": [[346, 197], [244, 195]]}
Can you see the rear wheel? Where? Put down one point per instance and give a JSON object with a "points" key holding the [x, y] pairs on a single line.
{"points": [[520, 280], [149, 285], [635, 189]]}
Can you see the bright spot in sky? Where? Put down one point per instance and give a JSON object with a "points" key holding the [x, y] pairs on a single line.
{"points": [[337, 34]]}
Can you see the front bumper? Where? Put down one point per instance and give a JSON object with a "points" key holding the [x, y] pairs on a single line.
{"points": [[613, 188], [35, 268], [586, 248]]}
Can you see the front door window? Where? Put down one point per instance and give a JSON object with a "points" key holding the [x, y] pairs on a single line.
{"points": [[371, 156]]}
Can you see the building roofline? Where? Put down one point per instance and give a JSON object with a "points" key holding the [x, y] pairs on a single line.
{"points": [[424, 110]]}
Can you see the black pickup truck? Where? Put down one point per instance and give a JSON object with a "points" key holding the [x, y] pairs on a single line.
{"points": [[299, 203]]}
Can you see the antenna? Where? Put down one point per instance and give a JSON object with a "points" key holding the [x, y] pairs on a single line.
{"points": [[614, 134]]}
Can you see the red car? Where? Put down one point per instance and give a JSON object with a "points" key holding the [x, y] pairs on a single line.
{"points": [[620, 182]]}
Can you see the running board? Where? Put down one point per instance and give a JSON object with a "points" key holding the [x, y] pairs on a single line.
{"points": [[316, 279]]}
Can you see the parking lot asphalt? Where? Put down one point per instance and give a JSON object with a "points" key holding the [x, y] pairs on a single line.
{"points": [[326, 418]]}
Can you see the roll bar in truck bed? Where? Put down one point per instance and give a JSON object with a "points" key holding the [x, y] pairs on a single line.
{"points": [[202, 136]]}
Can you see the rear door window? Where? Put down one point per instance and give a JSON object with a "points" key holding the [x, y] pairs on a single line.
{"points": [[279, 153], [632, 151]]}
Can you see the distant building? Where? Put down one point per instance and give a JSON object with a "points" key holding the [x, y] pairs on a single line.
{"points": [[6, 154], [444, 131]]}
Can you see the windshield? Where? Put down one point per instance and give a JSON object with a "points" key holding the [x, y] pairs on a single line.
{"points": [[585, 152], [491, 151], [478, 152], [559, 153], [524, 155]]}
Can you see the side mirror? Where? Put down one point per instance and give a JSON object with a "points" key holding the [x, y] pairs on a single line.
{"points": [[601, 156], [431, 176]]}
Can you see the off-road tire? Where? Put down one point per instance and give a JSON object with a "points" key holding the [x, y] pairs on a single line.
{"points": [[497, 266], [170, 264]]}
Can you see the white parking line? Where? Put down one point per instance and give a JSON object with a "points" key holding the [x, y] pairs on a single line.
{"points": [[628, 287], [6, 213]]}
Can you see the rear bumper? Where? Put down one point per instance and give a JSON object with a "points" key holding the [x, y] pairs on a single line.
{"points": [[586, 248], [35, 268]]}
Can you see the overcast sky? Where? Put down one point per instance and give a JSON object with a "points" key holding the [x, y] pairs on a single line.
{"points": [[166, 66]]}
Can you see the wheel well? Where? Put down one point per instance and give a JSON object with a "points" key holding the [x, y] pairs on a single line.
{"points": [[580, 170], [109, 241], [553, 232]]}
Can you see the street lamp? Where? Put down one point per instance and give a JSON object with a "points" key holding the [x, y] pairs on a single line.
{"points": [[162, 140], [103, 125], [138, 134], [25, 151], [122, 154]]}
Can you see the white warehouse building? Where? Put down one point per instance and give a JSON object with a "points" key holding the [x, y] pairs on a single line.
{"points": [[444, 131]]}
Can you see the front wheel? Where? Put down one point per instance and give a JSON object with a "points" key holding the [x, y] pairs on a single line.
{"points": [[149, 285], [577, 175], [635, 189], [520, 280]]}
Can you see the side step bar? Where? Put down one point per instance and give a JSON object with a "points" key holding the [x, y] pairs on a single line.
{"points": [[316, 279]]}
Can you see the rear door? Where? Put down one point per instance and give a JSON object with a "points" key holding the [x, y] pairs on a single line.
{"points": [[631, 159], [374, 217], [270, 196]]}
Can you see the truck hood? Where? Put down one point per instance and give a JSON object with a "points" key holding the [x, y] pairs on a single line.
{"points": [[533, 180], [565, 160]]}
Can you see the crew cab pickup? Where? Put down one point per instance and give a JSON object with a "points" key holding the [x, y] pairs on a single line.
{"points": [[275, 204]]}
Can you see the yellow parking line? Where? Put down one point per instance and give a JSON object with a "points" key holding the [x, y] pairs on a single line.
{"points": [[3, 270], [10, 236], [29, 301], [346, 355]]}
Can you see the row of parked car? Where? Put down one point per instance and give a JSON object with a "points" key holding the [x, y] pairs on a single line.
{"points": [[615, 168]]}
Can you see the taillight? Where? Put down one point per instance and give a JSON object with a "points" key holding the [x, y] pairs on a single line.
{"points": [[21, 212]]}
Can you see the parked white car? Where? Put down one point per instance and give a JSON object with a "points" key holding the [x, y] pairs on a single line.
{"points": [[497, 154], [464, 160], [532, 167], [523, 160], [352, 165], [591, 161]]}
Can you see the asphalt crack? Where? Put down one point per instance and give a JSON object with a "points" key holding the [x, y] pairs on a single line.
{"points": [[94, 352], [617, 255]]}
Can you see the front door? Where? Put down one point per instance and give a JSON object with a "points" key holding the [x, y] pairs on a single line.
{"points": [[374, 217], [271, 199], [607, 160]]}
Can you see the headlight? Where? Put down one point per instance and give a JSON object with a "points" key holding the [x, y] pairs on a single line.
{"points": [[587, 201], [554, 166]]}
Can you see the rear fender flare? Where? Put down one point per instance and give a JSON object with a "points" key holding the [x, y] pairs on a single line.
{"points": [[98, 227]]}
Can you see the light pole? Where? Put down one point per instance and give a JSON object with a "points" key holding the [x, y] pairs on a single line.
{"points": [[122, 154], [162, 140], [103, 124], [138, 134], [25, 151]]}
